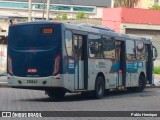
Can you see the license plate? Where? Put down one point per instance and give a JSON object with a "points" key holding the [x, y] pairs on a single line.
{"points": [[32, 81]]}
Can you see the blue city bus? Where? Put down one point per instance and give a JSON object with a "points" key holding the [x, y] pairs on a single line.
{"points": [[69, 57]]}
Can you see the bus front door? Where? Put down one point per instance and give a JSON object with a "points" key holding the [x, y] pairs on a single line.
{"points": [[79, 56]]}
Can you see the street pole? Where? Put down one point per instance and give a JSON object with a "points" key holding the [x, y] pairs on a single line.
{"points": [[44, 5], [112, 3], [29, 10], [48, 9]]}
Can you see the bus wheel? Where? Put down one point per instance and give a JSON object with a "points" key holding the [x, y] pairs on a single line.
{"points": [[56, 94], [141, 85], [99, 88]]}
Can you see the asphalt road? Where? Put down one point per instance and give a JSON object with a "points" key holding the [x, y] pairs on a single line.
{"points": [[32, 100]]}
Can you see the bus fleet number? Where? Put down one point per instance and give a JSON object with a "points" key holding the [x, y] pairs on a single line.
{"points": [[32, 81]]}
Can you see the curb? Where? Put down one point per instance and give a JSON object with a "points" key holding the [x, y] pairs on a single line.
{"points": [[3, 84], [152, 86]]}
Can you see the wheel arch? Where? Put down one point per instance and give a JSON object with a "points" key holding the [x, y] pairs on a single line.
{"points": [[142, 74]]}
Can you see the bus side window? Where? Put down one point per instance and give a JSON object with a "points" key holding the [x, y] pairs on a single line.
{"points": [[130, 50], [140, 50], [108, 47], [68, 42], [95, 46]]}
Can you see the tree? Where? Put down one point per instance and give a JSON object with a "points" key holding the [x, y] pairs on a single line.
{"points": [[125, 3], [155, 7]]}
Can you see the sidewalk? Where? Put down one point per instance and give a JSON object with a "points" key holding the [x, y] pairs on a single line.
{"points": [[3, 81], [156, 80], [157, 76], [3, 84]]}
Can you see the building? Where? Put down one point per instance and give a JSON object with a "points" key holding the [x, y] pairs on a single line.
{"points": [[141, 22], [147, 4], [19, 8], [19, 11], [3, 53]]}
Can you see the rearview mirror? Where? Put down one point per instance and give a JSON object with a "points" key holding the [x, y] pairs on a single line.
{"points": [[155, 53]]}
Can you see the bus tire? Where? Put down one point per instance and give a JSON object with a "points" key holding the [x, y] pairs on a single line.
{"points": [[141, 85], [99, 88], [57, 94]]}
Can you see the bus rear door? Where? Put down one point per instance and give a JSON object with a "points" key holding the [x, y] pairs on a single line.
{"points": [[121, 60]]}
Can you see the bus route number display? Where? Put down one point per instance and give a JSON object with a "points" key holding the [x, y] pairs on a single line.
{"points": [[47, 31]]}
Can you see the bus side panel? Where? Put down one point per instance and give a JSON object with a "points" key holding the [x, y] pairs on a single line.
{"points": [[107, 67], [134, 78], [92, 73], [111, 73], [134, 69]]}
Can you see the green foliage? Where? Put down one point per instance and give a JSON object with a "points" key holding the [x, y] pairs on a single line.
{"points": [[155, 7], [80, 15], [156, 70], [58, 17], [25, 19], [64, 17], [125, 3]]}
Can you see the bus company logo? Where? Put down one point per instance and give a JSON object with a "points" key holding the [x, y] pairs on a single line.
{"points": [[32, 70], [6, 114]]}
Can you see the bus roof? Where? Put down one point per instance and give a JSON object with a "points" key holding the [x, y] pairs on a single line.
{"points": [[93, 29], [106, 31]]}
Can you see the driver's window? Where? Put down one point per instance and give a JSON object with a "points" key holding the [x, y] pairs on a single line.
{"points": [[108, 47], [140, 50], [130, 50]]}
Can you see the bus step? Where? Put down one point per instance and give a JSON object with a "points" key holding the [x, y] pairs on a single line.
{"points": [[121, 88], [81, 90]]}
